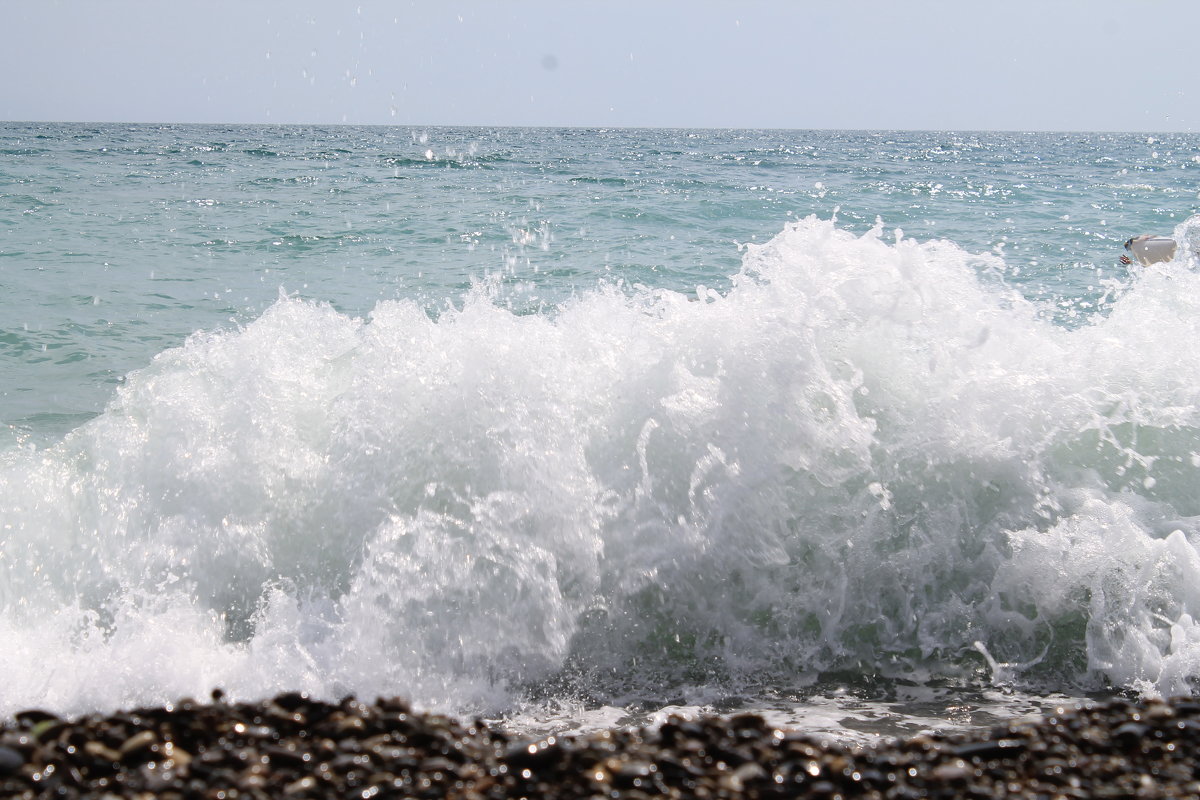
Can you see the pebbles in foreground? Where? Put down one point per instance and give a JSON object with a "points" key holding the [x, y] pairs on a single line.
{"points": [[294, 747]]}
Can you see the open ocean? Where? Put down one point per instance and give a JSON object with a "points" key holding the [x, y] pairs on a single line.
{"points": [[867, 431]]}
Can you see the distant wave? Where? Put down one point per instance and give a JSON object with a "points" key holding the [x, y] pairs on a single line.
{"points": [[604, 181], [451, 160]]}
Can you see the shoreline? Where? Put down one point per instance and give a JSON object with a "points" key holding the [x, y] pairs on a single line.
{"points": [[293, 746]]}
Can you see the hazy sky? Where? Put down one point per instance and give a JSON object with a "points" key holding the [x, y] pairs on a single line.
{"points": [[924, 64]]}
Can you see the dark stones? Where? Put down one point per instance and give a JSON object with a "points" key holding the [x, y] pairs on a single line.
{"points": [[293, 746]]}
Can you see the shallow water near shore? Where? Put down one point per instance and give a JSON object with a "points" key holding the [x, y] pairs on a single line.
{"points": [[576, 428], [838, 716]]}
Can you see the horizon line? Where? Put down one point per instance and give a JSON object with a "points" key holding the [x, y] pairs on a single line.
{"points": [[510, 126]]}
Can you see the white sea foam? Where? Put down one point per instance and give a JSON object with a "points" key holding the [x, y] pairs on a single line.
{"points": [[864, 457]]}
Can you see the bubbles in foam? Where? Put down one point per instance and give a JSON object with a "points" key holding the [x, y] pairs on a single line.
{"points": [[868, 455]]}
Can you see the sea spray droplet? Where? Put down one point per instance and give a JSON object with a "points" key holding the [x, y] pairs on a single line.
{"points": [[882, 494]]}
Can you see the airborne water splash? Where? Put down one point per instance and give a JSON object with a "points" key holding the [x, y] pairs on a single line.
{"points": [[866, 456]]}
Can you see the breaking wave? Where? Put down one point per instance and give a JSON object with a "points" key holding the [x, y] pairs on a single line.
{"points": [[869, 455]]}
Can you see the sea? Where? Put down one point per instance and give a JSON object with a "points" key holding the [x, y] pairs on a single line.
{"points": [[870, 432]]}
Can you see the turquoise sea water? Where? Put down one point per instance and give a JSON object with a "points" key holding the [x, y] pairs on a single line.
{"points": [[571, 424]]}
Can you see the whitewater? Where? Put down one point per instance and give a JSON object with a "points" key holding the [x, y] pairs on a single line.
{"points": [[769, 442]]}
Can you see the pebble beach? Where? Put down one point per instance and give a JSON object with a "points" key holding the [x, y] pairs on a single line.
{"points": [[295, 746]]}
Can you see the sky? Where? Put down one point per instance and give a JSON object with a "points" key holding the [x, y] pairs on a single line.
{"points": [[1084, 65]]}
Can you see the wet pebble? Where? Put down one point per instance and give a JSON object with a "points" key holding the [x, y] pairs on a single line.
{"points": [[10, 760]]}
